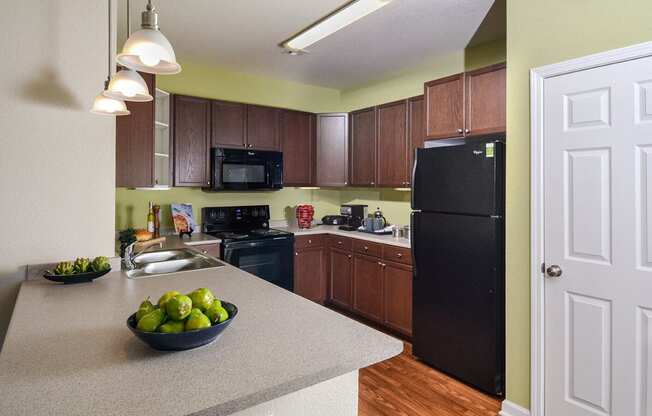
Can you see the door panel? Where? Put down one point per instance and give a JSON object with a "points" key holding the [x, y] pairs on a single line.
{"points": [[397, 285], [262, 127], [368, 287], [444, 100], [597, 147], [332, 160], [486, 104], [228, 124], [363, 147], [392, 144], [309, 279], [341, 291], [297, 145], [191, 141]]}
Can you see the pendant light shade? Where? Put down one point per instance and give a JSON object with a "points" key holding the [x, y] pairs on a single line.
{"points": [[128, 85], [107, 106], [148, 50]]}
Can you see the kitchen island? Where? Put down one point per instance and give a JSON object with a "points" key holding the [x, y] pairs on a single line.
{"points": [[68, 352]]}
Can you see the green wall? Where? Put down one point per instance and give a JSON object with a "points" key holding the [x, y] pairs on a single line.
{"points": [[485, 54], [541, 33]]}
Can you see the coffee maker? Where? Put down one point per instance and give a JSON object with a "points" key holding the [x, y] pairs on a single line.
{"points": [[355, 215]]}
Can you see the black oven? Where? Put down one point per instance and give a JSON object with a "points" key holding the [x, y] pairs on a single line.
{"points": [[241, 169]]}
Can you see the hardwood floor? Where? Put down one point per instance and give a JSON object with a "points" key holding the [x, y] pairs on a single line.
{"points": [[403, 386]]}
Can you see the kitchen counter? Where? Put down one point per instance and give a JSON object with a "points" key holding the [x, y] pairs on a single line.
{"points": [[196, 239], [68, 350], [334, 230]]}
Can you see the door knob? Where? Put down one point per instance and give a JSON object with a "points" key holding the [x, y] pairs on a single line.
{"points": [[554, 271]]}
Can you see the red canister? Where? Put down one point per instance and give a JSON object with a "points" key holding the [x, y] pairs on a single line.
{"points": [[305, 214]]}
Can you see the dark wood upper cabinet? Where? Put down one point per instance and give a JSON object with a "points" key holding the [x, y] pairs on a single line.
{"points": [[445, 107], [263, 127], [191, 141], [416, 131], [485, 100], [397, 289], [392, 144], [341, 285], [298, 147], [332, 152], [363, 147], [228, 123], [135, 142], [368, 287]]}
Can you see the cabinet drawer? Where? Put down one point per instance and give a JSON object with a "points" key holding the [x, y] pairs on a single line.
{"points": [[368, 248], [336, 241], [306, 241], [397, 254], [212, 250]]}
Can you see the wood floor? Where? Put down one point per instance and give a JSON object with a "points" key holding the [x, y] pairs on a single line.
{"points": [[403, 386]]}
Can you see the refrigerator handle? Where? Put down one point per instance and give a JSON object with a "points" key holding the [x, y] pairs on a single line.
{"points": [[413, 244], [414, 175]]}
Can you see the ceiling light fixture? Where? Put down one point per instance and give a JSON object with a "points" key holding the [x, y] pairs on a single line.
{"points": [[339, 19], [108, 106], [148, 50], [127, 84]]}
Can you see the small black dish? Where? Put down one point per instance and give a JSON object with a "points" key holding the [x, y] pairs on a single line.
{"points": [[183, 340], [74, 278]]}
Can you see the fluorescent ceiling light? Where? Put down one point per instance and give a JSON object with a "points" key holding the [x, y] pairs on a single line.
{"points": [[335, 21]]}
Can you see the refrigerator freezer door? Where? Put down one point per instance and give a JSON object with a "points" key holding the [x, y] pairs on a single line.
{"points": [[464, 179], [458, 297]]}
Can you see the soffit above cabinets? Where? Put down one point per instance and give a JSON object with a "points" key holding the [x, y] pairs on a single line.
{"points": [[244, 35]]}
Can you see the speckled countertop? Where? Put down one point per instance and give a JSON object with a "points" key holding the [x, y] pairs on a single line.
{"points": [[334, 230], [68, 350]]}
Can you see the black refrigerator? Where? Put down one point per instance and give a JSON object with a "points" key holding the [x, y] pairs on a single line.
{"points": [[458, 244]]}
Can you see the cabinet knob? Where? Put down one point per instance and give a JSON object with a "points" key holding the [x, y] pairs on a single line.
{"points": [[296, 254], [250, 146], [366, 248], [373, 183], [346, 183], [467, 131], [399, 255], [339, 242], [459, 130], [349, 256], [204, 251]]}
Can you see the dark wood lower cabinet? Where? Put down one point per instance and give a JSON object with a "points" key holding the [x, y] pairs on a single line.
{"points": [[368, 287], [340, 271], [397, 285], [309, 274]]}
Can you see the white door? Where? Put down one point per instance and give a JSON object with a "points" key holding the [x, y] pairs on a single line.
{"points": [[598, 230]]}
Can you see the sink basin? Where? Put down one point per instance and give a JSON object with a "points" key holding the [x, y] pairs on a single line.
{"points": [[160, 262], [162, 255]]}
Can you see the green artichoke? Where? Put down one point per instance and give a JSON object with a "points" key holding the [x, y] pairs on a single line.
{"points": [[64, 268], [82, 265], [100, 264]]}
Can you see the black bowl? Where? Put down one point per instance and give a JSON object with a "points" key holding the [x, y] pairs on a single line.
{"points": [[74, 278], [183, 340]]}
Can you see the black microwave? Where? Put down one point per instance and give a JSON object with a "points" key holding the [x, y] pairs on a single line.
{"points": [[242, 169]]}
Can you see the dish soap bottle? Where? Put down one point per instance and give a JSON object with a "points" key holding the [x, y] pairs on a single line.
{"points": [[150, 219]]}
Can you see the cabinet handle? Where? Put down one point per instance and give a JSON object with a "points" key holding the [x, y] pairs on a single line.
{"points": [[459, 130], [250, 146], [296, 253], [339, 242], [349, 256], [373, 183], [204, 251], [382, 264], [346, 183], [309, 241], [467, 131], [399, 255], [366, 248]]}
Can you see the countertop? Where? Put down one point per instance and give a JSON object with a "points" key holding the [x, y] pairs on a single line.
{"points": [[68, 350], [334, 230]]}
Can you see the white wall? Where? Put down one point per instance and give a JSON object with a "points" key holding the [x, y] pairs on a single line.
{"points": [[57, 160]]}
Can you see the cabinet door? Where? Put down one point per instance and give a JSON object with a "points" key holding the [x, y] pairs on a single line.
{"points": [[309, 274], [228, 124], [363, 147], [332, 150], [262, 127], [340, 278], [392, 144], [368, 287], [191, 141], [397, 281], [485, 100], [297, 144], [416, 131], [445, 107], [135, 142]]}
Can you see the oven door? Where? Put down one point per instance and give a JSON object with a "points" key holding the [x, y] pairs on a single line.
{"points": [[270, 259]]}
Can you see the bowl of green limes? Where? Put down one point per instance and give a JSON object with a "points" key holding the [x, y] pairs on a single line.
{"points": [[181, 322]]}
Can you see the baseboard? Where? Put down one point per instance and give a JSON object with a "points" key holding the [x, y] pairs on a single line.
{"points": [[512, 409]]}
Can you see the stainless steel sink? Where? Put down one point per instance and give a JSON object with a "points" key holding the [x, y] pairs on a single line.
{"points": [[160, 262]]}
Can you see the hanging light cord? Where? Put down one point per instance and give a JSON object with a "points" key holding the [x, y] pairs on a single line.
{"points": [[128, 19], [108, 77]]}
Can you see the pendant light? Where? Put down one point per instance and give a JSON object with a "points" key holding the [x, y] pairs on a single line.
{"points": [[108, 106], [127, 84], [148, 50]]}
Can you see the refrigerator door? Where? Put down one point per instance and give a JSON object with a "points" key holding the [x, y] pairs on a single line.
{"points": [[464, 179], [458, 297]]}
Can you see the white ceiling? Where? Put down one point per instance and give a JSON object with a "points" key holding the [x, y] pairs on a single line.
{"points": [[243, 35]]}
